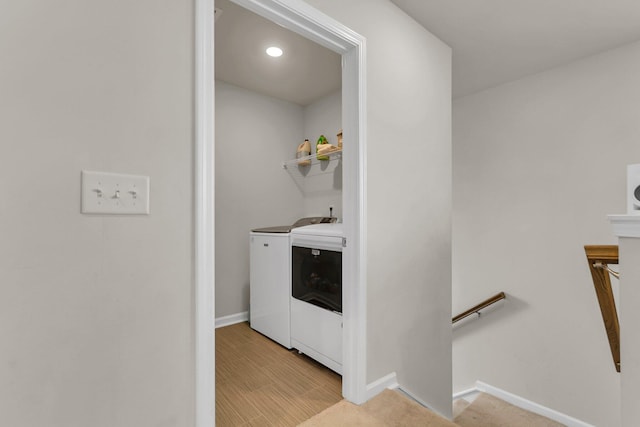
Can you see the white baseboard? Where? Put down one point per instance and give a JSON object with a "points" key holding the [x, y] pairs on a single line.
{"points": [[379, 385], [391, 381], [414, 397], [522, 403], [468, 394], [232, 319]]}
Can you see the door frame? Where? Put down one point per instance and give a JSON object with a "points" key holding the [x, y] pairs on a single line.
{"points": [[297, 16], [204, 211]]}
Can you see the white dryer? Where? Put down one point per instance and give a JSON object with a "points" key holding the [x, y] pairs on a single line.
{"points": [[316, 293]]}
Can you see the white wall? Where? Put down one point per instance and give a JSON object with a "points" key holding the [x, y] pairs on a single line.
{"points": [[254, 135], [96, 317], [408, 198], [323, 183], [538, 164], [629, 317]]}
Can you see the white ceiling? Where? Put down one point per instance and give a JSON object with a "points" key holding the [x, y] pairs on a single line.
{"points": [[305, 72], [493, 41], [497, 41]]}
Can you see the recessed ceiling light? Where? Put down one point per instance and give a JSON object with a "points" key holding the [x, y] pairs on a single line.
{"points": [[274, 51]]}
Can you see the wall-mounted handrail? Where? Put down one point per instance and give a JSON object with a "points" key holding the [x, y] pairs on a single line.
{"points": [[599, 257], [476, 309], [606, 267]]}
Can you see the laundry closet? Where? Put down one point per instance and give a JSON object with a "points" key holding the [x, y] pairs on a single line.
{"points": [[264, 109]]}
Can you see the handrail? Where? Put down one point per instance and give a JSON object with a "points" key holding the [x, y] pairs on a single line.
{"points": [[599, 257], [476, 309], [612, 272]]}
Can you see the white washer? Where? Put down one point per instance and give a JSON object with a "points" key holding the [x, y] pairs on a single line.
{"points": [[270, 279], [316, 297], [270, 285]]}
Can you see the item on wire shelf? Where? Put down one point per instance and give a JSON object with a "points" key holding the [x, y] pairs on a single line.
{"points": [[325, 149], [340, 139], [304, 150], [321, 141]]}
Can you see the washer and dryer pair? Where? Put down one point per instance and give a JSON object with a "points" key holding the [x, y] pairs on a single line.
{"points": [[296, 287]]}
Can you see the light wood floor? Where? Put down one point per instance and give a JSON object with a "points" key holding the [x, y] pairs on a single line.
{"points": [[261, 383]]}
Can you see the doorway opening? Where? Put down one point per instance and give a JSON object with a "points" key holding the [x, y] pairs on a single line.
{"points": [[311, 24], [265, 107]]}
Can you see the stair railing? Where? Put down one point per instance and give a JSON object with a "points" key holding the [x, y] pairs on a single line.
{"points": [[599, 257], [477, 308]]}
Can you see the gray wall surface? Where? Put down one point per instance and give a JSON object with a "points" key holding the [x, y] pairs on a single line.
{"points": [[629, 252], [408, 198], [538, 164], [96, 312], [322, 186], [254, 135]]}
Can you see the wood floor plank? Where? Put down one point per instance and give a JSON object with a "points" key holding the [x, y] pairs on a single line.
{"points": [[226, 412], [321, 398], [278, 408], [298, 381], [238, 400], [257, 422], [259, 382]]}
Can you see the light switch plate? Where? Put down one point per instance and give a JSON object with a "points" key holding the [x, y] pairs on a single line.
{"points": [[114, 193]]}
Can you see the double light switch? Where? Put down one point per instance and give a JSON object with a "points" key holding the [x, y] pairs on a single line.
{"points": [[114, 193]]}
